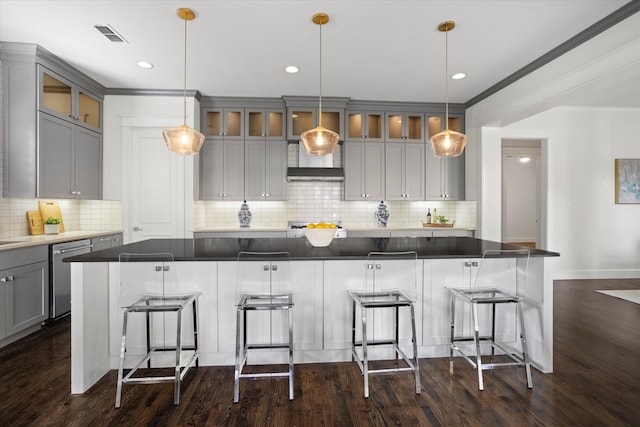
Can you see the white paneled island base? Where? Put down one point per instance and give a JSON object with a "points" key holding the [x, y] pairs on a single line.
{"points": [[322, 312]]}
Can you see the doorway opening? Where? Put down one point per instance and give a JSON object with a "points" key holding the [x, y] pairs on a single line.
{"points": [[522, 187]]}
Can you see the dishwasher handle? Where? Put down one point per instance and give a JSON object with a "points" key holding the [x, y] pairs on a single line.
{"points": [[66, 251]]}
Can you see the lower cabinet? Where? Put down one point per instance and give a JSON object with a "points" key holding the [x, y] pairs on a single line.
{"points": [[24, 289], [106, 242]]}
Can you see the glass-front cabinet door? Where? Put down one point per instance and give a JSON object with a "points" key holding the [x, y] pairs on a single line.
{"points": [[226, 123], [304, 119], [405, 127], [61, 98], [264, 124], [365, 126]]}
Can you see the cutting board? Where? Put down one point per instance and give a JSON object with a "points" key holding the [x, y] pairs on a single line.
{"points": [[48, 209], [34, 218]]}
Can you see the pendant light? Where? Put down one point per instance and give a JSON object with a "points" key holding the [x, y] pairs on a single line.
{"points": [[447, 143], [183, 139], [320, 141]]}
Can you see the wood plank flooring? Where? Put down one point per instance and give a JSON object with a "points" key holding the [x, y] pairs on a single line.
{"points": [[596, 383]]}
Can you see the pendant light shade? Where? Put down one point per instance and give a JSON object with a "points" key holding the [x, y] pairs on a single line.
{"points": [[320, 140], [447, 143], [183, 139]]}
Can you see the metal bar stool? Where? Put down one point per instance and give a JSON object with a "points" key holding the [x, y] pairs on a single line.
{"points": [[262, 283], [148, 285], [477, 296], [383, 292]]}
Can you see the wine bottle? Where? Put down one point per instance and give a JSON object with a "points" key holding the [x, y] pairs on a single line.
{"points": [[429, 216]]}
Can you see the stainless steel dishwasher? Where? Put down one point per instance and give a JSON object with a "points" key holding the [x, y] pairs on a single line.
{"points": [[60, 275]]}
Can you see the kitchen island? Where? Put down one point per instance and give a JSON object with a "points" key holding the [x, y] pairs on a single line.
{"points": [[322, 307]]}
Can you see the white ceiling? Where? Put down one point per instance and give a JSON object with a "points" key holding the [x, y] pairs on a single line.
{"points": [[372, 49]]}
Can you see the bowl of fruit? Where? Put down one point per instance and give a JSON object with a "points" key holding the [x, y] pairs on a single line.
{"points": [[320, 234]]}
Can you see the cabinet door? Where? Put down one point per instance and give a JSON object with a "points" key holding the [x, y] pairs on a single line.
{"points": [[55, 94], [222, 170], [414, 171], [89, 110], [445, 177], [365, 126], [276, 170], [395, 171], [374, 170], [255, 166], [302, 119], [56, 157], [27, 289], [88, 164], [211, 170], [354, 166]]}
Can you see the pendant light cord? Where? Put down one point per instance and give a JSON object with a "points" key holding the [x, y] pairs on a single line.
{"points": [[446, 78], [320, 99], [184, 91]]}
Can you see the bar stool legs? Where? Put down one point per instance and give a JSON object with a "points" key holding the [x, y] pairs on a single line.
{"points": [[396, 301], [476, 362], [254, 303]]}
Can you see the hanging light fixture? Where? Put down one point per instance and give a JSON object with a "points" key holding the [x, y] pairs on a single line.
{"points": [[320, 141], [447, 143], [183, 139]]}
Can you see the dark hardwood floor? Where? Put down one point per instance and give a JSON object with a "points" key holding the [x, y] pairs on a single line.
{"points": [[596, 383]]}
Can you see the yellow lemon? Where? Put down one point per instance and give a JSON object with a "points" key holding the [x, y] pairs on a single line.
{"points": [[332, 225], [311, 225]]}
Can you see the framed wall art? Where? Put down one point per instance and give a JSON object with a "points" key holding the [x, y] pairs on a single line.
{"points": [[627, 177]]}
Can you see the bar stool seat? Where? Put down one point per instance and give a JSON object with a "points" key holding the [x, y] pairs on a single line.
{"points": [[492, 296], [272, 299], [380, 297], [156, 299]]}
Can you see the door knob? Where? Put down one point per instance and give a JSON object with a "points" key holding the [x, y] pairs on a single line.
{"points": [[137, 229]]}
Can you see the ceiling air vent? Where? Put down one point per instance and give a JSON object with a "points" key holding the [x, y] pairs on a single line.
{"points": [[110, 33]]}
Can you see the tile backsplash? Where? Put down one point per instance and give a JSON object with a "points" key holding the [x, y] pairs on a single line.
{"points": [[76, 214], [322, 201]]}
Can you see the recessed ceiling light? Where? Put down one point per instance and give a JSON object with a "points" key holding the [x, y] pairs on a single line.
{"points": [[525, 159], [291, 69], [144, 64], [458, 76]]}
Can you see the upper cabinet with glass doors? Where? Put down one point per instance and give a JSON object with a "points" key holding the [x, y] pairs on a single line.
{"points": [[68, 101], [224, 123], [302, 115], [365, 126], [404, 126], [264, 123]]}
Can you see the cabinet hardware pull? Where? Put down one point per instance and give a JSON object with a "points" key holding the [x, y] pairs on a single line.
{"points": [[3, 279], [467, 264], [274, 267], [474, 263], [265, 267], [370, 266]]}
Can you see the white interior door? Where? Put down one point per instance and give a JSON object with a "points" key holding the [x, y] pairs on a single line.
{"points": [[157, 188]]}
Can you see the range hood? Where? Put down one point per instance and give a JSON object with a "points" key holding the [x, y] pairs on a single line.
{"points": [[316, 168]]}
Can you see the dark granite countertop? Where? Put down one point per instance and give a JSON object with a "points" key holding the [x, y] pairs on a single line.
{"points": [[226, 249]]}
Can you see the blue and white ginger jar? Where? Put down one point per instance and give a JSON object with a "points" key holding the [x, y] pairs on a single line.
{"points": [[382, 214], [244, 215]]}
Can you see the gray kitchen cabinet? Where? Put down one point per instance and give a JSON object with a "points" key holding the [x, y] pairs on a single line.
{"points": [[106, 242], [62, 98], [221, 172], [23, 95], [445, 176], [24, 289], [265, 170], [404, 126], [224, 123], [302, 115], [404, 171], [365, 126], [264, 124], [364, 171], [70, 160]]}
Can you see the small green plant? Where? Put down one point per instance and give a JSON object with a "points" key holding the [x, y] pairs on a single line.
{"points": [[52, 220], [441, 219]]}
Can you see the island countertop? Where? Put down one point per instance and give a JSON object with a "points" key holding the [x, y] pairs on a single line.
{"points": [[226, 249]]}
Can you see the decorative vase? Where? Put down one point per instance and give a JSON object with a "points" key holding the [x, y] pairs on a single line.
{"points": [[382, 215], [51, 228], [244, 215]]}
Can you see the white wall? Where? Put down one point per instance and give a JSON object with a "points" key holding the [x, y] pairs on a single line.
{"points": [[594, 237]]}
